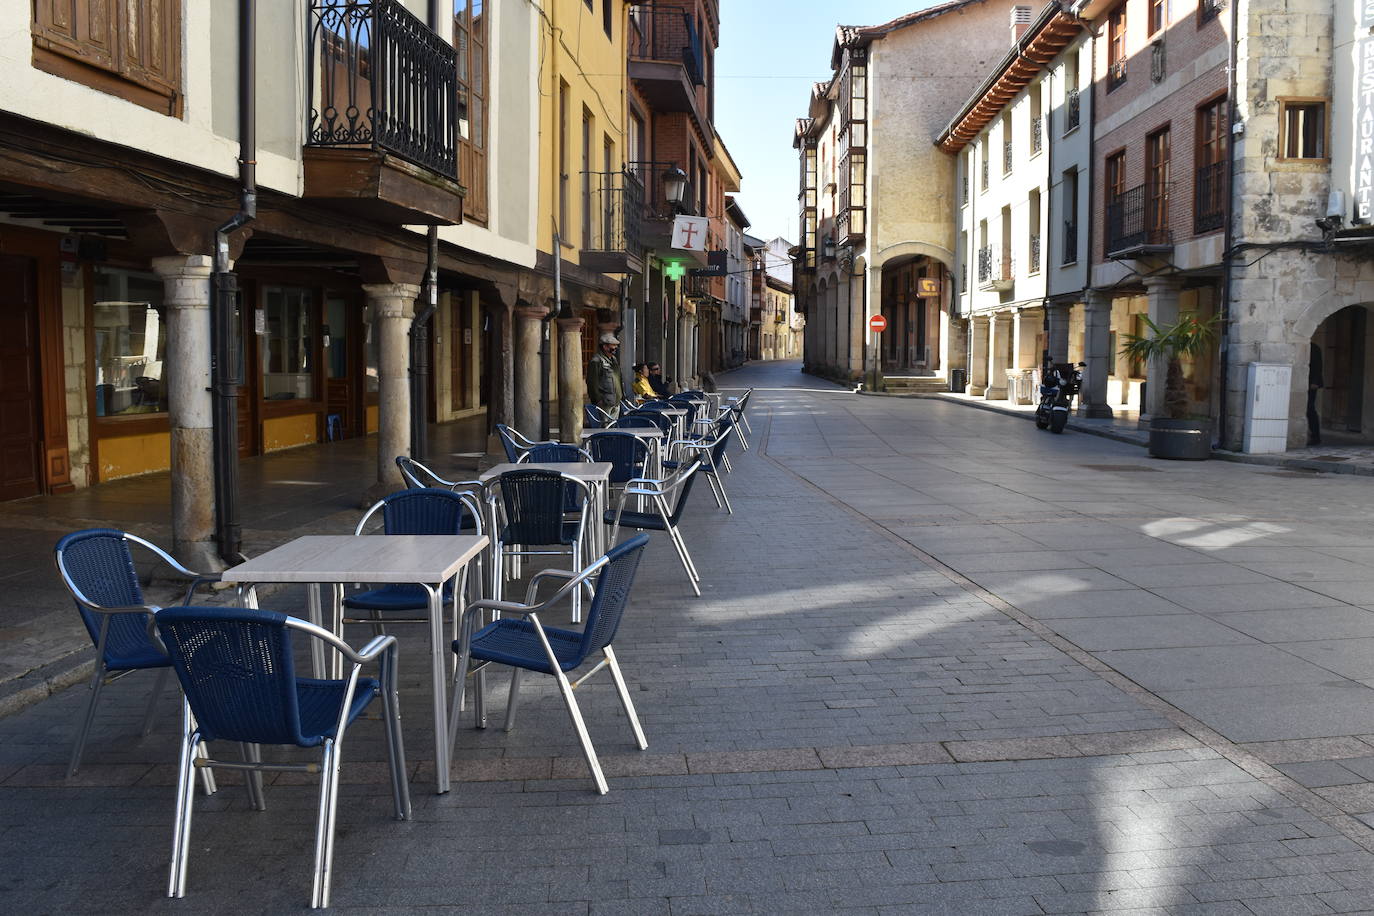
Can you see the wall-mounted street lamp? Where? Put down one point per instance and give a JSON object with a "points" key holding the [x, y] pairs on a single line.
{"points": [[828, 247], [674, 185]]}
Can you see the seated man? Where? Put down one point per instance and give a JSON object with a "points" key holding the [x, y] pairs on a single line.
{"points": [[656, 382]]}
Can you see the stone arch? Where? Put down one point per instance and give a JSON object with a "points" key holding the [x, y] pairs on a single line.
{"points": [[1326, 305], [908, 250]]}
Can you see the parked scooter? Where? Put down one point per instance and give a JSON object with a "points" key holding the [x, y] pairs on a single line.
{"points": [[1058, 385]]}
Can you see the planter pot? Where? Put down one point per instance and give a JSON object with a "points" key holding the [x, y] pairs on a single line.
{"points": [[1182, 440]]}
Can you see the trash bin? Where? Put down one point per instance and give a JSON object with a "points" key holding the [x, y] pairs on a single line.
{"points": [[958, 380]]}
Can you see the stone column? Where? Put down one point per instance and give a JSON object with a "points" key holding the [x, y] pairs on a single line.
{"points": [[978, 328], [1097, 323], [1163, 295], [529, 327], [999, 336], [186, 380], [572, 386], [393, 308], [1058, 341], [1025, 324]]}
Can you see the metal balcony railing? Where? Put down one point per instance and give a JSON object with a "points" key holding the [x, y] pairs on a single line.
{"points": [[1037, 134], [667, 32], [1006, 157], [963, 191], [1070, 253], [1209, 198], [984, 176], [1116, 74], [380, 78], [1033, 264], [1139, 217], [984, 266], [617, 206], [1073, 113]]}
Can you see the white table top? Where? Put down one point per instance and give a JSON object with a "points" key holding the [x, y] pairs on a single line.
{"points": [[590, 471], [643, 432], [418, 558], [674, 411]]}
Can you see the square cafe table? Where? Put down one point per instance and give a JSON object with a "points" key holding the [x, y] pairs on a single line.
{"points": [[425, 560]]}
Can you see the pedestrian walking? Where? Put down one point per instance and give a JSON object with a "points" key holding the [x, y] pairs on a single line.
{"points": [[603, 376], [1314, 385]]}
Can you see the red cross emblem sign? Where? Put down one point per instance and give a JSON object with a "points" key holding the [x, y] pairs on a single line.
{"points": [[689, 233]]}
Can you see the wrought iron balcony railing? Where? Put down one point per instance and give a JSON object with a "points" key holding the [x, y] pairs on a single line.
{"points": [[963, 190], [1037, 134], [984, 176], [1070, 253], [1006, 157], [985, 266], [617, 204], [1033, 263], [1073, 110], [655, 202], [1139, 218], [1116, 74], [667, 32], [1209, 198], [380, 78]]}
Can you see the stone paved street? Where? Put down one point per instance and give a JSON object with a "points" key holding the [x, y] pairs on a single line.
{"points": [[943, 663]]}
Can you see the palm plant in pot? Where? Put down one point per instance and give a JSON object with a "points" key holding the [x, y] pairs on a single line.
{"points": [[1176, 434]]}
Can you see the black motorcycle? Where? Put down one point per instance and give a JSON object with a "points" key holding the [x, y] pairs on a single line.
{"points": [[1058, 385]]}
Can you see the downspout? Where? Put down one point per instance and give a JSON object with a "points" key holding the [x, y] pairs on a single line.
{"points": [[419, 327], [1224, 342], [1092, 183], [226, 347]]}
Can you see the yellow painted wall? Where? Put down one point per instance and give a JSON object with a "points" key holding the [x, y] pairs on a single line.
{"points": [[288, 432], [574, 49], [128, 456], [372, 423]]}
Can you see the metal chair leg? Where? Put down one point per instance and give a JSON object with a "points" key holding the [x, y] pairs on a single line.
{"points": [[715, 489], [181, 825], [253, 778], [513, 699], [582, 735], [723, 495], [625, 701], [396, 750], [158, 686], [207, 774], [96, 685], [324, 826]]}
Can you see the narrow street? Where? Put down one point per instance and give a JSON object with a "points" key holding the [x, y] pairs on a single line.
{"points": [[943, 663]]}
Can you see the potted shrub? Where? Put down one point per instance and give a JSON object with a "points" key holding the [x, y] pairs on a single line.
{"points": [[1177, 434]]}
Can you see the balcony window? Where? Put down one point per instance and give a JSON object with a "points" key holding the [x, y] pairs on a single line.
{"points": [[130, 343], [1073, 109], [1302, 125], [1116, 47], [470, 42], [1209, 188]]}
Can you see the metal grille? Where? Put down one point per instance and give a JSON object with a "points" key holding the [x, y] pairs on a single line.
{"points": [[617, 206], [380, 78], [1006, 156], [1070, 242], [1037, 134], [1133, 218], [1074, 109], [984, 265], [1209, 198], [1034, 265]]}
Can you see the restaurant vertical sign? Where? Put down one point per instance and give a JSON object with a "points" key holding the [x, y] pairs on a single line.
{"points": [[1364, 122]]}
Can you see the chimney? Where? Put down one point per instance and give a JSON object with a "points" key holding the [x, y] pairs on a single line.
{"points": [[1020, 21]]}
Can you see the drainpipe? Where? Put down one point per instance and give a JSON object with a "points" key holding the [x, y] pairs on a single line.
{"points": [[419, 327], [226, 347], [1224, 342], [544, 335]]}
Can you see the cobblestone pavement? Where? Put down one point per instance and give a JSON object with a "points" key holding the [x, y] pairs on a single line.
{"points": [[919, 680]]}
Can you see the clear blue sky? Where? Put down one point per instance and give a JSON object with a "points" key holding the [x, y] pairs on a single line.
{"points": [[771, 51]]}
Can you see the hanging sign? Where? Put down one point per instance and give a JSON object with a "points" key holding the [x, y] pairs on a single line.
{"points": [[1364, 134], [689, 233]]}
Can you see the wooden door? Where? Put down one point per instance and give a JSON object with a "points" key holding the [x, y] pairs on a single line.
{"points": [[21, 468]]}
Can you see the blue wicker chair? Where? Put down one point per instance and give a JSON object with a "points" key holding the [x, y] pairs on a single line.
{"points": [[525, 644], [238, 673], [97, 567]]}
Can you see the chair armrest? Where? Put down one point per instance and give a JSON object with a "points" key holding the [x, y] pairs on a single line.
{"points": [[532, 591], [373, 649]]}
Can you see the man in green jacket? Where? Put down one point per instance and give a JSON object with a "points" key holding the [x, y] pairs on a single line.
{"points": [[603, 376]]}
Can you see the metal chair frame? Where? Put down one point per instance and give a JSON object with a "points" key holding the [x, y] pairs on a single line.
{"points": [[420, 476], [711, 454], [566, 452], [596, 417], [471, 502], [501, 551], [530, 612], [381, 649], [515, 443], [739, 406], [106, 673], [656, 493]]}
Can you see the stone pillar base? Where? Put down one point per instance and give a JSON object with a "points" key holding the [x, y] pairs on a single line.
{"points": [[1095, 412]]}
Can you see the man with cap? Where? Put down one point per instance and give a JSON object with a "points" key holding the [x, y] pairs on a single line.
{"points": [[603, 376]]}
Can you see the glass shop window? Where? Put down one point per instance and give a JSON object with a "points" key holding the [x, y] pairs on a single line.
{"points": [[130, 331], [288, 371]]}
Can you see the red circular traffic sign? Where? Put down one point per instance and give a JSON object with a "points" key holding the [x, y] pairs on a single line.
{"points": [[877, 323]]}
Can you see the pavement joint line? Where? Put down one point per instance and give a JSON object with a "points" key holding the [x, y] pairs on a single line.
{"points": [[1348, 825]]}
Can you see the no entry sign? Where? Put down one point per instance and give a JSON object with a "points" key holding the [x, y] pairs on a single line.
{"points": [[877, 324]]}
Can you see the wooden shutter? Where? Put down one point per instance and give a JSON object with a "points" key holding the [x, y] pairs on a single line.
{"points": [[136, 43], [83, 29]]}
